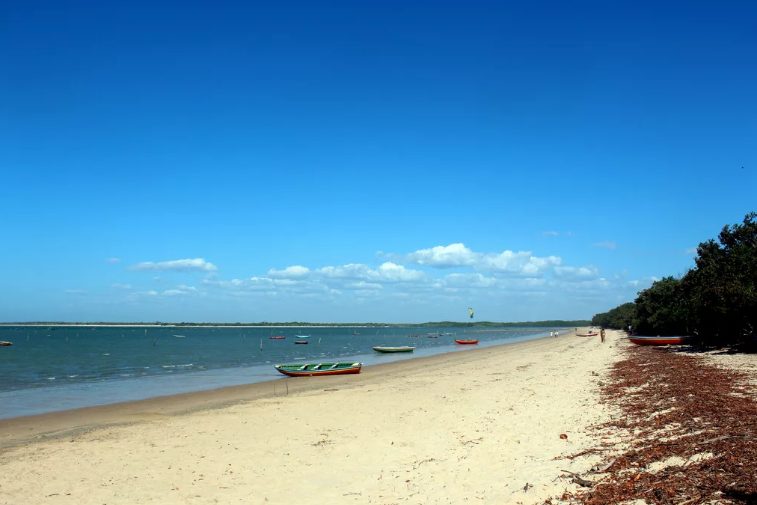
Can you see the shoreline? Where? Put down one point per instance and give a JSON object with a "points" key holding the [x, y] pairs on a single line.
{"points": [[498, 423], [52, 398], [64, 421]]}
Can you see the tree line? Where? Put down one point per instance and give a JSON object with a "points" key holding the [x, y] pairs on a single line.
{"points": [[715, 302]]}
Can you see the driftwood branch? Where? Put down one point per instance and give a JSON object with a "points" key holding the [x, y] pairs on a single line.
{"points": [[579, 480]]}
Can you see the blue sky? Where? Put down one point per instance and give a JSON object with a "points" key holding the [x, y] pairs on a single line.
{"points": [[365, 160]]}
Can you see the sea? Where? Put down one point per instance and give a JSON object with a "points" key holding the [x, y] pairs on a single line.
{"points": [[53, 368]]}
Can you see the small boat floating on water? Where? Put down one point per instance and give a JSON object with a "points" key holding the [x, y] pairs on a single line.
{"points": [[5, 343], [466, 341], [657, 340], [315, 369], [277, 337], [400, 348]]}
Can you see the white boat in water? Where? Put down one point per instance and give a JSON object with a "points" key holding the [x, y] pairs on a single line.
{"points": [[399, 348]]}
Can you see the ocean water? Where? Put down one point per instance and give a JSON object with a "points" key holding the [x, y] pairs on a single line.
{"points": [[64, 367]]}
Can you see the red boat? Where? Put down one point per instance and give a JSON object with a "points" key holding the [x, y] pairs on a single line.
{"points": [[465, 341], [657, 340], [587, 334]]}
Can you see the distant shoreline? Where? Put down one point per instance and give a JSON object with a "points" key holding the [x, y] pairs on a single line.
{"points": [[480, 324]]}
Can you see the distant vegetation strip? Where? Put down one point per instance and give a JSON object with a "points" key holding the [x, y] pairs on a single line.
{"points": [[446, 324]]}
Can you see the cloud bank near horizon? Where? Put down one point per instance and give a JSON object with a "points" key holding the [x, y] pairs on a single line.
{"points": [[182, 265], [452, 271]]}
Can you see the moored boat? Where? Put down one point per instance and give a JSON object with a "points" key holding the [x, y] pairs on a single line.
{"points": [[5, 343], [657, 340], [399, 348], [277, 337], [590, 334], [466, 341], [315, 369]]}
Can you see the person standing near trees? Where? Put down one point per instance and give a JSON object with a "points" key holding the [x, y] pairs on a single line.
{"points": [[602, 335]]}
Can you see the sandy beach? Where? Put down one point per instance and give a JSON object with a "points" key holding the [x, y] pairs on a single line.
{"points": [[481, 426]]}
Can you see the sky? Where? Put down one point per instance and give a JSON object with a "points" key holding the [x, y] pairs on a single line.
{"points": [[385, 161]]}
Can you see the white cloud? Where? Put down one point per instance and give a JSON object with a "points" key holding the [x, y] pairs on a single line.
{"points": [[393, 272], [349, 271], [118, 285], [178, 291], [387, 271], [458, 255], [182, 265], [292, 272], [523, 262], [364, 286], [113, 261], [441, 256], [471, 280], [488, 276], [577, 273]]}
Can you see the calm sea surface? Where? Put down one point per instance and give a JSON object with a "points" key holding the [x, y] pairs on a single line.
{"points": [[64, 367]]}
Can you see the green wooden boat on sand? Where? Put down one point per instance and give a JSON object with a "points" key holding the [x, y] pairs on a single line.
{"points": [[313, 369]]}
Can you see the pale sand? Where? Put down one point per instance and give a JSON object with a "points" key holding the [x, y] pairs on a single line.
{"points": [[473, 426]]}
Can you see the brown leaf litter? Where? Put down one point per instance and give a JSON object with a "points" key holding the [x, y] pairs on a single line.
{"points": [[690, 428]]}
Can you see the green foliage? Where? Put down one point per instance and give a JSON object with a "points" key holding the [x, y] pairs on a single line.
{"points": [[661, 309], [716, 301], [722, 290], [618, 318]]}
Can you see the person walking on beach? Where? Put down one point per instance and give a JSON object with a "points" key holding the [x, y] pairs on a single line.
{"points": [[602, 335]]}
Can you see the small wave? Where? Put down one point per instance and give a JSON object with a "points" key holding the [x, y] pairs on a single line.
{"points": [[51, 378], [73, 376], [168, 366], [106, 354]]}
